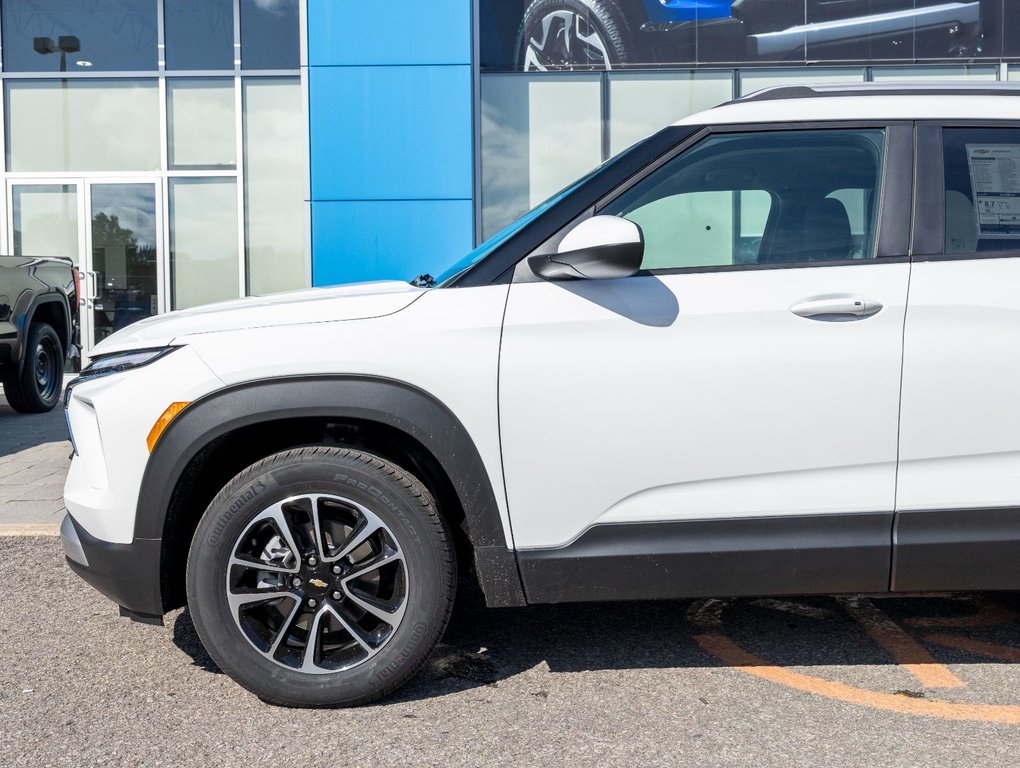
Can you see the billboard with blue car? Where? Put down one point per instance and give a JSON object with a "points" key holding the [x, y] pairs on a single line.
{"points": [[556, 35]]}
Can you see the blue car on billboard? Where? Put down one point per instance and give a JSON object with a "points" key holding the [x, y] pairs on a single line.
{"points": [[605, 34]]}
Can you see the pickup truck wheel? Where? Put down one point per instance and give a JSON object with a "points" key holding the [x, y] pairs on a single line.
{"points": [[37, 388], [321, 577]]}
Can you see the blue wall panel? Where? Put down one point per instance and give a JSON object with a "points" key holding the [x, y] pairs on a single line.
{"points": [[376, 240], [391, 137], [363, 32], [391, 132]]}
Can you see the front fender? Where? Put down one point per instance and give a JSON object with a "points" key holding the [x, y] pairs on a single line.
{"points": [[374, 399]]}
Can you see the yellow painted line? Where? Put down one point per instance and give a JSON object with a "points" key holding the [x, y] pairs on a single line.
{"points": [[992, 650], [29, 529], [733, 655], [990, 613], [907, 652]]}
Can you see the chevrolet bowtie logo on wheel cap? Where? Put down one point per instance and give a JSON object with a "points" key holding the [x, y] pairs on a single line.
{"points": [[318, 583]]}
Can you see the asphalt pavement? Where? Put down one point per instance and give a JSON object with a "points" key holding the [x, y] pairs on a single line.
{"points": [[824, 681]]}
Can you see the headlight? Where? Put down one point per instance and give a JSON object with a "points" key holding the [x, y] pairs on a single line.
{"points": [[125, 361]]}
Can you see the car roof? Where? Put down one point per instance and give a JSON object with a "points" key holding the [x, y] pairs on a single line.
{"points": [[885, 101]]}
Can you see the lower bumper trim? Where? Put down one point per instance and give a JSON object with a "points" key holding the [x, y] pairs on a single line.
{"points": [[128, 574], [72, 544]]}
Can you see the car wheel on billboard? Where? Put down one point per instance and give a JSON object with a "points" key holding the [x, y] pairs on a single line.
{"points": [[572, 34]]}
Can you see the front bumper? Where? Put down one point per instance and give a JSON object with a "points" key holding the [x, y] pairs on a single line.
{"points": [[128, 574]]}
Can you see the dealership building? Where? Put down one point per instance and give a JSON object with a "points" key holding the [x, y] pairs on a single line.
{"points": [[191, 151]]}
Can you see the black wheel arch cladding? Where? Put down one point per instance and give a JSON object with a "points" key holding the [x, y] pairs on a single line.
{"points": [[372, 399]]}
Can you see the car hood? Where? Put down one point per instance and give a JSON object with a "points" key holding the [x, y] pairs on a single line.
{"points": [[318, 305]]}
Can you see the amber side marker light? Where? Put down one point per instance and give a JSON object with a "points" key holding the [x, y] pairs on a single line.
{"points": [[163, 422]]}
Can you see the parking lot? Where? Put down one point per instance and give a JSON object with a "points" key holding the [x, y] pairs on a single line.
{"points": [[848, 681]]}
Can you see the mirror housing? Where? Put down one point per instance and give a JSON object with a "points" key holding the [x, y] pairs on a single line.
{"points": [[599, 248]]}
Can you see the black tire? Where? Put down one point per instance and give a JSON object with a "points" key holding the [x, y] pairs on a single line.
{"points": [[397, 500], [37, 388], [540, 37]]}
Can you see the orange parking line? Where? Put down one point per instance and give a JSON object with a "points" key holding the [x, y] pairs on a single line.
{"points": [[990, 613], [906, 651], [730, 653], [992, 650]]}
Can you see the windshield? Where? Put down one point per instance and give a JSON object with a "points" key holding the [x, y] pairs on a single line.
{"points": [[510, 230]]}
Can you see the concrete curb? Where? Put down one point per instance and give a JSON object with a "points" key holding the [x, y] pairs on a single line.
{"points": [[29, 529]]}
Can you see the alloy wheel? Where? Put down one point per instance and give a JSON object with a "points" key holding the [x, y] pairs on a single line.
{"points": [[567, 41], [317, 583]]}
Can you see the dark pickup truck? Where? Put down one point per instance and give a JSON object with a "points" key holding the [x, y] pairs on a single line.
{"points": [[38, 329]]}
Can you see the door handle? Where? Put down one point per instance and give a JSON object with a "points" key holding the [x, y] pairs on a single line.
{"points": [[837, 308], [92, 294]]}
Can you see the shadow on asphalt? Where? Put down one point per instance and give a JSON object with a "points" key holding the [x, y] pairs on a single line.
{"points": [[22, 431], [483, 647]]}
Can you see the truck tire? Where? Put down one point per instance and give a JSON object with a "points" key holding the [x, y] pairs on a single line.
{"points": [[573, 35], [37, 388], [321, 577]]}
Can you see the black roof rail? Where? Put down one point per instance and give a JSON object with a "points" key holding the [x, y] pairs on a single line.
{"points": [[944, 88]]}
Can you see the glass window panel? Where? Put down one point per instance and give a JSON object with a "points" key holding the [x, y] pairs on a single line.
{"points": [[270, 37], [539, 133], [124, 251], [641, 104], [203, 241], [199, 34], [760, 199], [913, 74], [274, 195], [82, 125], [113, 35], [982, 205], [45, 220], [752, 80], [202, 126]]}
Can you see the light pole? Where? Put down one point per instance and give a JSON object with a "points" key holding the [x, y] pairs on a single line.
{"points": [[65, 44]]}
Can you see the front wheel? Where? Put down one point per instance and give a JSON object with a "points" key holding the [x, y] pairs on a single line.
{"points": [[36, 388], [321, 577]]}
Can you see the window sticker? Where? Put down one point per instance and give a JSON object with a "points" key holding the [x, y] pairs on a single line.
{"points": [[995, 179]]}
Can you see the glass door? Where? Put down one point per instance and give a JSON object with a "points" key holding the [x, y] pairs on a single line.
{"points": [[110, 229], [123, 255]]}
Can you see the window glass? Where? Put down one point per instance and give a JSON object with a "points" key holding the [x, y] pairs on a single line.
{"points": [[539, 133], [274, 179], [270, 37], [74, 36], [45, 220], [203, 241], [760, 198], [920, 74], [982, 173], [641, 104], [199, 34], [752, 80], [82, 125], [202, 129]]}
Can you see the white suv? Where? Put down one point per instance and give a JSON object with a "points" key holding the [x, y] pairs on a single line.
{"points": [[772, 349]]}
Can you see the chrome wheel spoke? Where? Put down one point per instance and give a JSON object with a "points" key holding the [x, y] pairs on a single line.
{"points": [[240, 599], [259, 565], [312, 644], [374, 564], [358, 537], [284, 630], [320, 550], [368, 648], [390, 617], [275, 513]]}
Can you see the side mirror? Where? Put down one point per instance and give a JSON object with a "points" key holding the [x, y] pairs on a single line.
{"points": [[599, 248]]}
